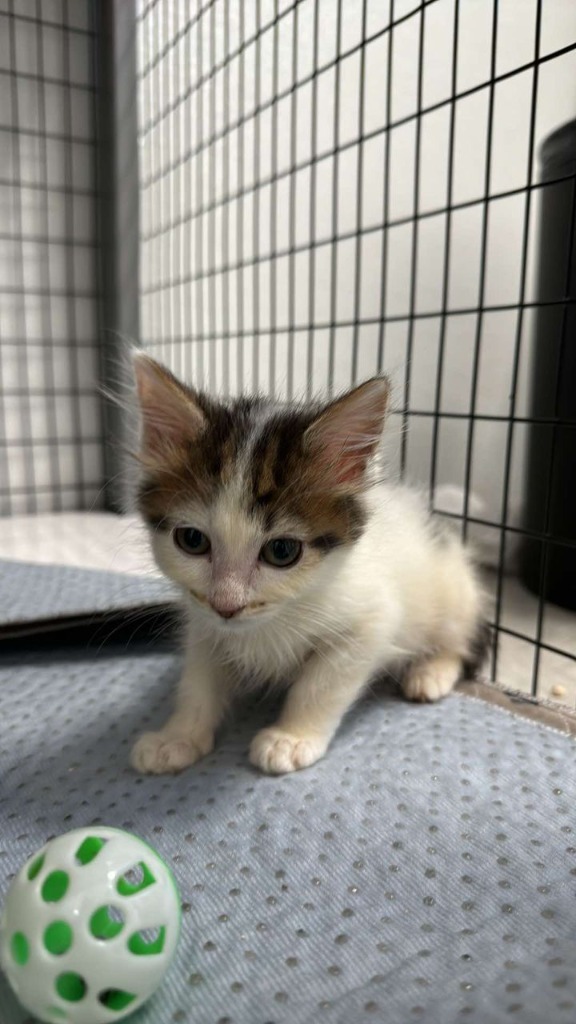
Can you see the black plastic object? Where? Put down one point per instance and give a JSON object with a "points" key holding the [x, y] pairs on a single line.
{"points": [[548, 567]]}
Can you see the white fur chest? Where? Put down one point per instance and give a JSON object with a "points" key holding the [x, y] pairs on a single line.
{"points": [[272, 653]]}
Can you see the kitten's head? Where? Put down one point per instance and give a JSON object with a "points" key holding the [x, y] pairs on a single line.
{"points": [[248, 500]]}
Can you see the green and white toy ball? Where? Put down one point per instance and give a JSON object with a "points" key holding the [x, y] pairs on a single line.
{"points": [[89, 927]]}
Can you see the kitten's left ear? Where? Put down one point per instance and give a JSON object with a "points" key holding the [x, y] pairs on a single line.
{"points": [[345, 435]]}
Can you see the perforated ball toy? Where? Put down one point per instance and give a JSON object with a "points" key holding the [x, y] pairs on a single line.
{"points": [[89, 927]]}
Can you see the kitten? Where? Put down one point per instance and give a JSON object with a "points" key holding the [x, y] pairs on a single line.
{"points": [[294, 568]]}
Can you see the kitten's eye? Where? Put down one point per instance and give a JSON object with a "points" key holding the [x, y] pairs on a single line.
{"points": [[281, 552], [191, 541]]}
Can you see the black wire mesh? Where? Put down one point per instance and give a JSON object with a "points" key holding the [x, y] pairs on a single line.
{"points": [[332, 189], [50, 432]]}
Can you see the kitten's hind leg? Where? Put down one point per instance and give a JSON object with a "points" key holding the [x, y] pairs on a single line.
{"points": [[432, 678], [202, 699]]}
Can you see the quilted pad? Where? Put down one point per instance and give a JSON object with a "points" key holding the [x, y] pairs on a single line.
{"points": [[32, 593], [424, 870]]}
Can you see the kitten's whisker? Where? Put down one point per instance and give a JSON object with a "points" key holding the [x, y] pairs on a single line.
{"points": [[127, 620]]}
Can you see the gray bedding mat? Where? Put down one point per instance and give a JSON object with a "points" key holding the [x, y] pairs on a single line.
{"points": [[31, 593], [425, 870]]}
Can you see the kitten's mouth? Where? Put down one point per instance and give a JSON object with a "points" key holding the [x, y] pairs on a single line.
{"points": [[248, 612]]}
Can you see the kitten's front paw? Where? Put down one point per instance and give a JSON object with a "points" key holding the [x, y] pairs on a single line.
{"points": [[277, 752], [430, 680], [159, 753]]}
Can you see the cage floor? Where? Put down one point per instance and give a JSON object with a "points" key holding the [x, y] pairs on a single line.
{"points": [[516, 653], [425, 869]]}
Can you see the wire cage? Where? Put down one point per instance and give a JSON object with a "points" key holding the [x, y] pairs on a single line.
{"points": [[328, 189], [50, 418]]}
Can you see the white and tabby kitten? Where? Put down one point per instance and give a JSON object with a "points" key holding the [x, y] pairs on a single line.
{"points": [[294, 568]]}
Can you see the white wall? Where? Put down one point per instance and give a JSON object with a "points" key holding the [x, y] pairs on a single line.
{"points": [[182, 172]]}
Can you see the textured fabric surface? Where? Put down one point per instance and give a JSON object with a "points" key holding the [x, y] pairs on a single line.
{"points": [[424, 870], [35, 593]]}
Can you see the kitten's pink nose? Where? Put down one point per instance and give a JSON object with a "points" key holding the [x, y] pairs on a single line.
{"points": [[227, 611]]}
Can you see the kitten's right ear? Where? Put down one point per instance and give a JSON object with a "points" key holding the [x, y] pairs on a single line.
{"points": [[342, 440], [169, 410]]}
